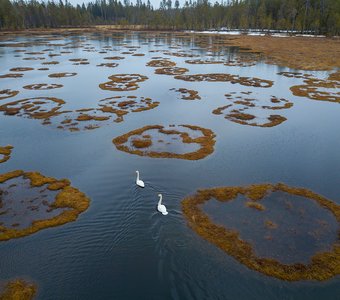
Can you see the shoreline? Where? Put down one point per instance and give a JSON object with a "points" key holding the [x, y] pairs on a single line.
{"points": [[296, 52]]}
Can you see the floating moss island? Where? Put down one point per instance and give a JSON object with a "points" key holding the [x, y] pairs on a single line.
{"points": [[322, 266], [5, 153], [140, 140], [69, 203]]}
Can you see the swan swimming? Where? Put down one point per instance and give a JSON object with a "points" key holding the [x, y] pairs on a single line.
{"points": [[138, 181], [160, 207]]}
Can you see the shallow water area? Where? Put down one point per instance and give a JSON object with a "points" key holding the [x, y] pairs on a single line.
{"points": [[21, 204], [121, 247], [289, 228]]}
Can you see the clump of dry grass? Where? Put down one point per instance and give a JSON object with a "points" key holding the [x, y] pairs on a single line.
{"points": [[6, 152], [18, 289], [255, 205], [141, 143], [189, 94]]}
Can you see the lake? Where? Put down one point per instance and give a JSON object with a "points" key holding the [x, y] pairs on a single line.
{"points": [[104, 105]]}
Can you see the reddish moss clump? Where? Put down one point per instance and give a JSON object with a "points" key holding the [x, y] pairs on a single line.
{"points": [[18, 289], [322, 266], [69, 198], [206, 141]]}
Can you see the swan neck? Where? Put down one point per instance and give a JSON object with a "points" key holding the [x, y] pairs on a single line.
{"points": [[137, 175], [160, 200]]}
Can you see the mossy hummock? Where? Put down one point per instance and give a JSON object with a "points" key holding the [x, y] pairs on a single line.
{"points": [[73, 201], [322, 266]]}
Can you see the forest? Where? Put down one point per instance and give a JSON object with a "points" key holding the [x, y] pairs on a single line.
{"points": [[305, 16]]}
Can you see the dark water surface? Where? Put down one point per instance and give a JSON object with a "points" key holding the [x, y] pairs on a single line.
{"points": [[121, 247]]}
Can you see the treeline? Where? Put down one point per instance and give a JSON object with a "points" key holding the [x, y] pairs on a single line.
{"points": [[312, 16]]}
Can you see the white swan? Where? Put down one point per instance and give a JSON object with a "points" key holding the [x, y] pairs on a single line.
{"points": [[161, 208], [138, 181]]}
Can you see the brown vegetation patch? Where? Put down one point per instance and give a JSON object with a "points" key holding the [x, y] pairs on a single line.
{"points": [[205, 140], [123, 82], [248, 60], [188, 94], [161, 63], [34, 58], [220, 77], [109, 65], [8, 94], [270, 224], [12, 75], [21, 69], [42, 86], [63, 74], [301, 53], [141, 143], [322, 266], [114, 57], [6, 153], [71, 200], [255, 205], [78, 59], [36, 108], [294, 75], [50, 63], [244, 110], [180, 54], [318, 89], [122, 105], [203, 61], [171, 71], [92, 118], [18, 289]]}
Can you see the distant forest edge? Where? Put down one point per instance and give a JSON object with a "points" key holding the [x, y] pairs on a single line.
{"points": [[305, 16]]}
